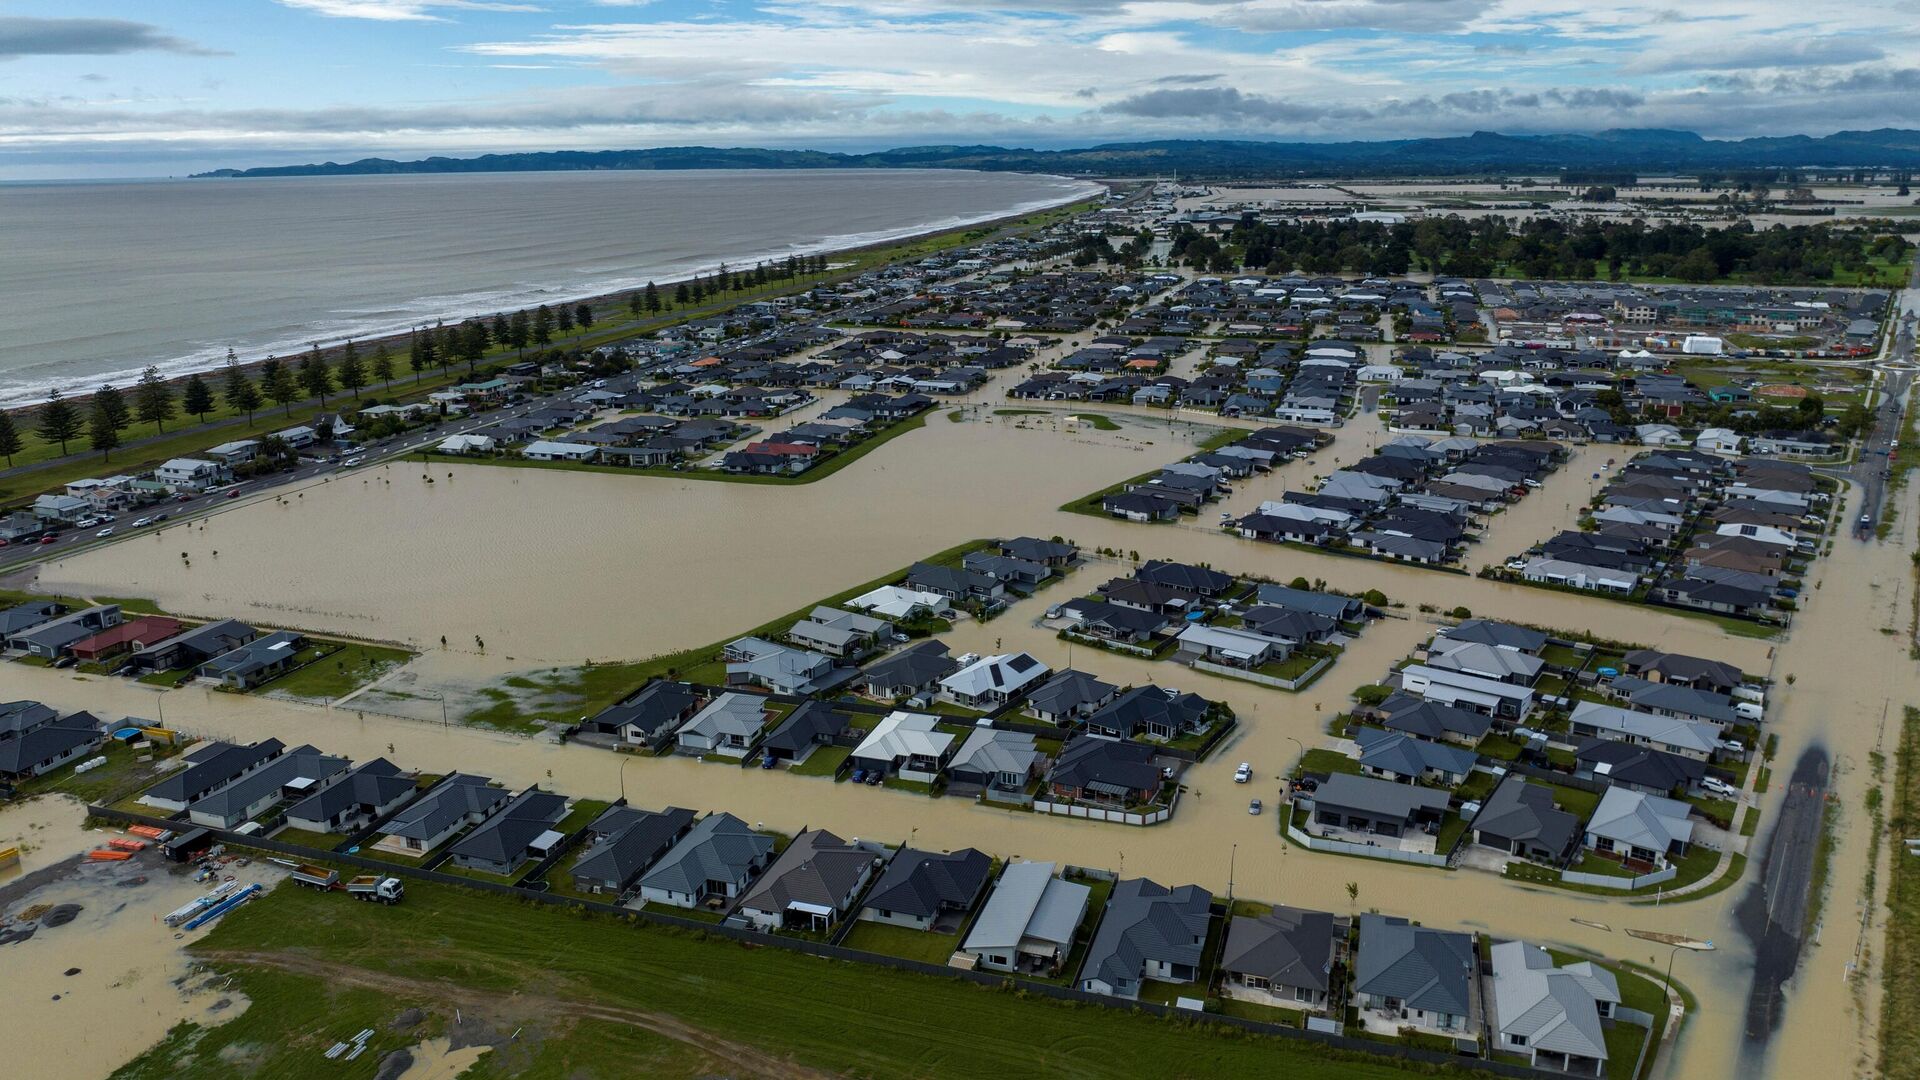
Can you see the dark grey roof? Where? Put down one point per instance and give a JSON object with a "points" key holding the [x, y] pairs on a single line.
{"points": [[720, 848], [1499, 634], [1518, 810], [1288, 946], [658, 705], [25, 616], [1381, 798], [504, 837], [23, 752], [818, 868], [1433, 720], [924, 884], [256, 655], [1141, 706], [300, 763], [451, 799], [633, 845], [919, 664], [1640, 766], [373, 784], [1427, 969], [223, 635], [211, 766], [812, 722], [22, 716], [1319, 603], [1069, 690], [1409, 755], [1147, 921], [1106, 766], [1185, 577]]}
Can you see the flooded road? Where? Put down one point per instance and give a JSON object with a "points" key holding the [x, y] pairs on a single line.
{"points": [[1775, 915], [559, 567]]}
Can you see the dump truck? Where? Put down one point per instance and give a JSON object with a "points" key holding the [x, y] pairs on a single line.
{"points": [[316, 877], [373, 887]]}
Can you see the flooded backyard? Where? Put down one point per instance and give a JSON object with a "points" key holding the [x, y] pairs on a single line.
{"points": [[558, 568]]}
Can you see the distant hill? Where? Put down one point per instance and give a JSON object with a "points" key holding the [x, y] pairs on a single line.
{"points": [[1625, 149]]}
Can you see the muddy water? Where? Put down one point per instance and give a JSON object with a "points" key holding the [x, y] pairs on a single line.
{"points": [[124, 996], [566, 566]]}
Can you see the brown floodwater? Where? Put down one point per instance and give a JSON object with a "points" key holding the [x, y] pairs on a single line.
{"points": [[557, 567], [133, 981]]}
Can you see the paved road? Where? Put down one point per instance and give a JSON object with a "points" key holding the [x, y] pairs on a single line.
{"points": [[1774, 913]]}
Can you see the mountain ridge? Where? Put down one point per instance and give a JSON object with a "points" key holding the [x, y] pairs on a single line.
{"points": [[1618, 149]]}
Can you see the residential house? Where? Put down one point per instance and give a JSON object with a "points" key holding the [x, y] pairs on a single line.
{"points": [[907, 745], [1431, 720], [927, 890], [35, 740], [368, 793], [1553, 1015], [710, 865], [783, 670], [453, 804], [727, 727], [255, 662], [811, 886], [839, 633], [1029, 921], [1685, 738], [1283, 959], [649, 717], [1070, 697], [1407, 759], [1637, 828], [625, 842], [808, 727], [913, 670], [191, 648], [210, 767], [1415, 976], [993, 680], [53, 639], [996, 761], [1105, 772], [1148, 932], [1370, 807], [1150, 712], [296, 774], [1521, 819], [1500, 700]]}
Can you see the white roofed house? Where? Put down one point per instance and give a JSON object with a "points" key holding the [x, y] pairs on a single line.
{"points": [[1635, 827], [993, 680], [1503, 701], [551, 450], [1551, 1014], [190, 474], [727, 727], [838, 633], [906, 745]]}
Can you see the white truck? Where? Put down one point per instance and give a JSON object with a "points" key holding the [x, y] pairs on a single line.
{"points": [[370, 887]]}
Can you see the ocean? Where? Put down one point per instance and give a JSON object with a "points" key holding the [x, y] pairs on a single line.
{"points": [[99, 280]]}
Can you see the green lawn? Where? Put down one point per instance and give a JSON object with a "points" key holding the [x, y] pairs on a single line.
{"points": [[1319, 760], [167, 678], [122, 775], [319, 841], [905, 1026], [1095, 421], [922, 945], [340, 672], [822, 762]]}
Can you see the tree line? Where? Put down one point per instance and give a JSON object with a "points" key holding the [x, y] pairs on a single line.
{"points": [[103, 417], [1544, 248]]}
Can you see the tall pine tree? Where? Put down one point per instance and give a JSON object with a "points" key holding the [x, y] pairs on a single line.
{"points": [[543, 325], [383, 364], [238, 390], [102, 429], [279, 384], [10, 441], [153, 399], [315, 375], [353, 371], [652, 297], [59, 421], [196, 398], [111, 405]]}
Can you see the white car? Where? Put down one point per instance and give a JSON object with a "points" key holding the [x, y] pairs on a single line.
{"points": [[87, 522], [1734, 746], [1243, 774], [1720, 787], [104, 533], [141, 523]]}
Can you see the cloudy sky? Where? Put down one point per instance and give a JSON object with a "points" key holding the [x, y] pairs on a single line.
{"points": [[156, 87]]}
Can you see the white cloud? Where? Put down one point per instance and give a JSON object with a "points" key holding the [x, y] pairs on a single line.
{"points": [[399, 10]]}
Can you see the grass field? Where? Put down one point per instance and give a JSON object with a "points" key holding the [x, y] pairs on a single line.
{"points": [[317, 969], [1900, 969], [340, 672], [922, 945]]}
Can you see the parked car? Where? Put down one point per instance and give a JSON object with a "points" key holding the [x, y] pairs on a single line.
{"points": [[1734, 746], [1720, 787]]}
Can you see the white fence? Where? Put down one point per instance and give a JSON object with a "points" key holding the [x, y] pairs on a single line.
{"points": [[1306, 676], [1095, 813], [1624, 884], [1369, 851]]}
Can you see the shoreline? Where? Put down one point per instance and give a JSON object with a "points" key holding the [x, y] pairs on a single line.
{"points": [[330, 349]]}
